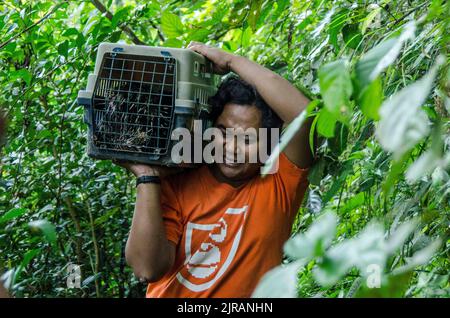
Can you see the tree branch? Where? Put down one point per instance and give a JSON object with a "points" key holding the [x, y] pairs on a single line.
{"points": [[160, 35], [100, 7]]}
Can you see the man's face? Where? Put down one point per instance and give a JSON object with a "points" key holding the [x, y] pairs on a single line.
{"points": [[241, 118]]}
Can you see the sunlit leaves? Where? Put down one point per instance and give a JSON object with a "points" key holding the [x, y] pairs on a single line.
{"points": [[22, 74], [119, 16], [370, 18], [368, 251], [337, 23]]}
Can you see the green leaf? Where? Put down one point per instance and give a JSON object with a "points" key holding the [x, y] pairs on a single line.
{"points": [[12, 214], [326, 123], [353, 203], [394, 286], [426, 163], [315, 240], [315, 174], [29, 255], [199, 35], [351, 35], [367, 249], [371, 98], [69, 32], [403, 123], [120, 15], [63, 48], [246, 37], [255, 11], [336, 25], [280, 282], [399, 236], [23, 74], [369, 18], [336, 88], [173, 43], [171, 25], [46, 228], [381, 56]]}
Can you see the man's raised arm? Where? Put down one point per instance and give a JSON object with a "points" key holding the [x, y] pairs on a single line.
{"points": [[284, 98]]}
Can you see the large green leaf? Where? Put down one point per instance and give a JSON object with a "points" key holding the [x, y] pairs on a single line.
{"points": [[46, 228], [371, 98], [364, 250], [171, 25], [402, 122], [336, 88], [381, 56], [352, 35], [280, 282], [326, 123], [315, 241], [12, 214]]}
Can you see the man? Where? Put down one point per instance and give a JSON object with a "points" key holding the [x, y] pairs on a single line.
{"points": [[216, 230]]}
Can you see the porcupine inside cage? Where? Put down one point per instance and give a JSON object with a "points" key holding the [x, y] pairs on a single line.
{"points": [[133, 103]]}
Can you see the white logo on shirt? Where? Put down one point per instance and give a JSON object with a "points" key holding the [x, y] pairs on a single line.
{"points": [[202, 268]]}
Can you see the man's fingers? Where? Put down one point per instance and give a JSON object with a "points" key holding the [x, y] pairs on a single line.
{"points": [[192, 43]]}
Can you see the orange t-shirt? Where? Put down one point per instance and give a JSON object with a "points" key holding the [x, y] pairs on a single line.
{"points": [[226, 238]]}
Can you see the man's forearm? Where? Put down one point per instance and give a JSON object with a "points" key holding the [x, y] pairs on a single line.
{"points": [[148, 249], [284, 98]]}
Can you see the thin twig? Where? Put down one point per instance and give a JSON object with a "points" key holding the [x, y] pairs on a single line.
{"points": [[96, 249], [74, 216]]}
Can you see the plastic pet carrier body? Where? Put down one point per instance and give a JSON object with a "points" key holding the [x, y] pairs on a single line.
{"points": [[138, 95]]}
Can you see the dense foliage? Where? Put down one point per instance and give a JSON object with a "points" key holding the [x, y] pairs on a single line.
{"points": [[378, 75]]}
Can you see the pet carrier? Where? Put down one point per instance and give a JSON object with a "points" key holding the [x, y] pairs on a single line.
{"points": [[138, 94]]}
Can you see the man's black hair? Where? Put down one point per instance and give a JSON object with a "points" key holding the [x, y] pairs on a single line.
{"points": [[235, 90]]}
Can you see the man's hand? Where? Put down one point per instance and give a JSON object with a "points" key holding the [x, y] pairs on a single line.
{"points": [[220, 58]]}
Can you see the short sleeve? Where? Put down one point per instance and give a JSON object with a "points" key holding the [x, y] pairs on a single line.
{"points": [[289, 172], [291, 183], [171, 212]]}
